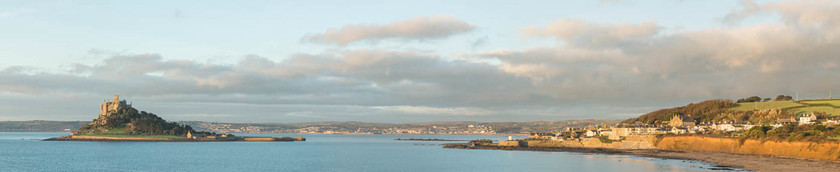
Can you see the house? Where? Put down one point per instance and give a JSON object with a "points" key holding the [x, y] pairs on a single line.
{"points": [[546, 136], [591, 133], [832, 121], [681, 121], [678, 131], [723, 127], [807, 119], [785, 121]]}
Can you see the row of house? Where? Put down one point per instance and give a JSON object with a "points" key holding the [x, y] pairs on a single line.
{"points": [[677, 125]]}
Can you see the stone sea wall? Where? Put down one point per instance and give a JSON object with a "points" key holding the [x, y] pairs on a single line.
{"points": [[808, 150]]}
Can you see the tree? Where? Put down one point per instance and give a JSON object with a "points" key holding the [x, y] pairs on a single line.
{"points": [[783, 98], [749, 99]]}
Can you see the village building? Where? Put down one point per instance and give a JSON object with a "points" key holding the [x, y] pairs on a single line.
{"points": [[785, 121], [807, 119], [591, 133], [832, 121]]}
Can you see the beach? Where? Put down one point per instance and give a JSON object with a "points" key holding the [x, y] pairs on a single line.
{"points": [[750, 162]]}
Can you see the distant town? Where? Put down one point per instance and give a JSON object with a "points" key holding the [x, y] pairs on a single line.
{"points": [[460, 128]]}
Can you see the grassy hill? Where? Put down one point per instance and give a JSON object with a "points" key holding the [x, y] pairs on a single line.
{"points": [[757, 112], [828, 106], [708, 110]]}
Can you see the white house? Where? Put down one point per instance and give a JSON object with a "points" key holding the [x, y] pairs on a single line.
{"points": [[807, 119], [591, 133]]}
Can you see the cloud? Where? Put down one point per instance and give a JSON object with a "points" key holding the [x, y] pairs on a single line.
{"points": [[582, 33], [435, 111], [594, 70], [618, 61], [420, 28], [819, 15]]}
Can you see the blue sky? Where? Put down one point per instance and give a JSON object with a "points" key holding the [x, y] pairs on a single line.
{"points": [[407, 61]]}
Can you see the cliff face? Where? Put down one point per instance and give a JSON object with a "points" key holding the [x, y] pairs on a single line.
{"points": [[631, 142], [809, 150]]}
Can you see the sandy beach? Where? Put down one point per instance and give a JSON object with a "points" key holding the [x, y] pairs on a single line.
{"points": [[742, 161]]}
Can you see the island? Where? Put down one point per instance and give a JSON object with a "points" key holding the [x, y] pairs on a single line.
{"points": [[118, 121]]}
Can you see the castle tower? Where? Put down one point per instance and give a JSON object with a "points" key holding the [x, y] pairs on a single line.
{"points": [[113, 105]]}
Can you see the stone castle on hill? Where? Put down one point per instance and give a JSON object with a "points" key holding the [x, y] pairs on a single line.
{"points": [[108, 108]]}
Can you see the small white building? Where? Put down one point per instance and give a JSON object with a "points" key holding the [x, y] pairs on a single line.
{"points": [[832, 121], [723, 127], [807, 119], [591, 133]]}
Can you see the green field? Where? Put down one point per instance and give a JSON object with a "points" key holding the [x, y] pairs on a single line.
{"points": [[832, 102], [766, 105], [120, 132], [829, 106]]}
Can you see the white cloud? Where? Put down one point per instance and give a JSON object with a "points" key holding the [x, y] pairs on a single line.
{"points": [[424, 110], [583, 33], [420, 28]]}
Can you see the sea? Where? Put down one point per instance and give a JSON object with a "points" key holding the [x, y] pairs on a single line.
{"points": [[26, 152]]}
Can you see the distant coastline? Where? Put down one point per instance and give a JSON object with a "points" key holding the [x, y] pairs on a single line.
{"points": [[157, 139], [347, 127]]}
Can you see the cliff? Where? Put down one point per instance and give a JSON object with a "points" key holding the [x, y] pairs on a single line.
{"points": [[808, 150]]}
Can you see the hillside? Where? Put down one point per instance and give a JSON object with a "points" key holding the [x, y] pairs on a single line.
{"points": [[705, 111], [755, 112]]}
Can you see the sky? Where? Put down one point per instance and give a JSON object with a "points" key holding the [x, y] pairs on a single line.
{"points": [[409, 61]]}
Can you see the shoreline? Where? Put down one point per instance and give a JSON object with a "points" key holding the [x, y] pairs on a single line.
{"points": [[751, 162], [146, 139], [305, 133]]}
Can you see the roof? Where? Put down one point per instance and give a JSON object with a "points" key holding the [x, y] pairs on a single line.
{"points": [[684, 118]]}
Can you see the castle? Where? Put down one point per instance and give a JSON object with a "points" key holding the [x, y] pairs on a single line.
{"points": [[106, 108]]}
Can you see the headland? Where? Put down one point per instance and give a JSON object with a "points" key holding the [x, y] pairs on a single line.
{"points": [[752, 134]]}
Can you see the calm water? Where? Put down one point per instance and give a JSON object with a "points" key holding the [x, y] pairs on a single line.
{"points": [[25, 152]]}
